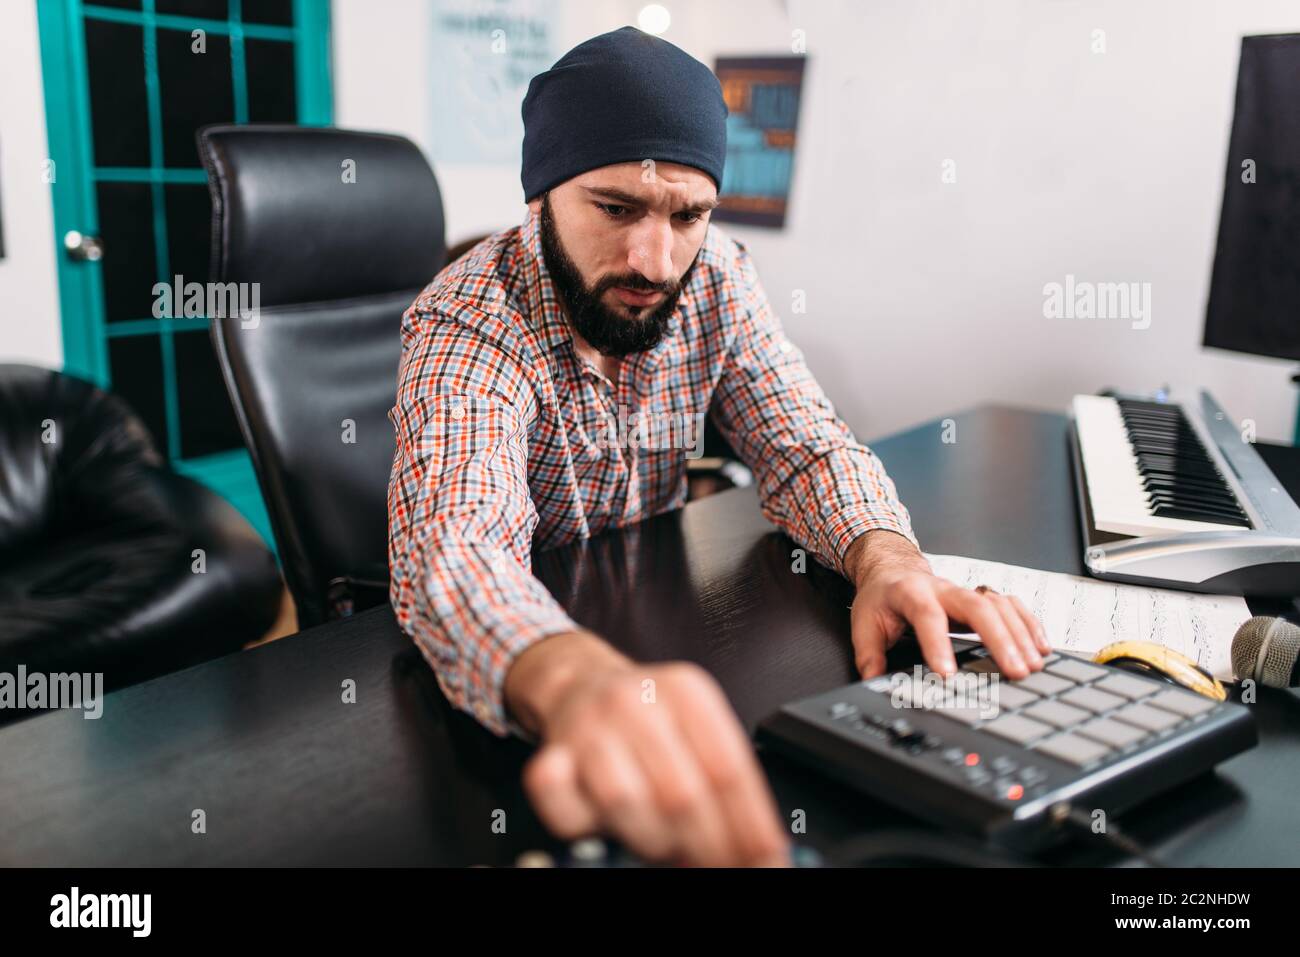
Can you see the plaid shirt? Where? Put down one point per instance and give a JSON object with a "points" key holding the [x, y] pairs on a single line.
{"points": [[508, 440]]}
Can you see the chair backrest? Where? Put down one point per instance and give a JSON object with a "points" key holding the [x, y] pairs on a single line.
{"points": [[340, 230]]}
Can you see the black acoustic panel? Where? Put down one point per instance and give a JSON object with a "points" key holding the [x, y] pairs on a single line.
{"points": [[276, 12], [118, 109], [128, 268], [1254, 302], [135, 368], [196, 89], [189, 214], [207, 420], [209, 9], [272, 91]]}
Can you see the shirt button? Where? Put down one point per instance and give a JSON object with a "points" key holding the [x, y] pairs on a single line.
{"points": [[458, 412], [785, 345]]}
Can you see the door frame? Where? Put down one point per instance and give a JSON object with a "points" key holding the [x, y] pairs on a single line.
{"points": [[81, 294]]}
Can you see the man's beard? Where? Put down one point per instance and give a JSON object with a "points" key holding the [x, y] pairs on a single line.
{"points": [[608, 332]]}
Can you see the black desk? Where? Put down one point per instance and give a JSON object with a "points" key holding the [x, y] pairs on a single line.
{"points": [[288, 774]]}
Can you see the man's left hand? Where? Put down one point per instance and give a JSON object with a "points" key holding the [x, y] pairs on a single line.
{"points": [[896, 588]]}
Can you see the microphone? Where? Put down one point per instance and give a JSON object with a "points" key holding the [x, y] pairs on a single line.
{"points": [[1268, 651]]}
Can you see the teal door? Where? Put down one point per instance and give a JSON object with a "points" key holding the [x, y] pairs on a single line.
{"points": [[127, 83]]}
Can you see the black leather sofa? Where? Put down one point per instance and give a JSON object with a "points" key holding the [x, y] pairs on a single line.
{"points": [[109, 561]]}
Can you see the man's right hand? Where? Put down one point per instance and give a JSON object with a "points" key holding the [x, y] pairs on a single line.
{"points": [[651, 754]]}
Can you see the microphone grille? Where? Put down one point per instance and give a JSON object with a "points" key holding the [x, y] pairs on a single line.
{"points": [[1279, 642]]}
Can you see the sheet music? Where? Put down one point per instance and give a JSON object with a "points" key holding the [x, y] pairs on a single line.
{"points": [[1083, 615]]}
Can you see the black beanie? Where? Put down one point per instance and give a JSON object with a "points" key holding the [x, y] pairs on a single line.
{"points": [[624, 96]]}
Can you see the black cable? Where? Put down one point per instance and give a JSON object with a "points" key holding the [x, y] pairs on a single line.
{"points": [[1069, 814]]}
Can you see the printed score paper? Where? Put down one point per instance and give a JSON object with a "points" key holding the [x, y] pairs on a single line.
{"points": [[1083, 615]]}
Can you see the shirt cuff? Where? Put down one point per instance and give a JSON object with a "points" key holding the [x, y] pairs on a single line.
{"points": [[845, 527], [486, 697]]}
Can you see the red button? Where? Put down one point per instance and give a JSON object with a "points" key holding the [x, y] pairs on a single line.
{"points": [[972, 759], [1015, 792]]}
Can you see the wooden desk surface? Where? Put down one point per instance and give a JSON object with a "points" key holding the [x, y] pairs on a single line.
{"points": [[288, 774]]}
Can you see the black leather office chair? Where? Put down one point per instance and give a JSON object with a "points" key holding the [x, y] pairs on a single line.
{"points": [[98, 571], [341, 230]]}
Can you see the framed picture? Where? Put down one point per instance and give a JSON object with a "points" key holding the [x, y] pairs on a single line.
{"points": [[487, 54], [762, 95]]}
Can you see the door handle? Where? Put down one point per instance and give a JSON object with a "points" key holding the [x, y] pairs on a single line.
{"points": [[83, 248]]}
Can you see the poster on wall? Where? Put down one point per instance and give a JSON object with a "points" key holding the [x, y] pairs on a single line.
{"points": [[762, 95], [486, 52]]}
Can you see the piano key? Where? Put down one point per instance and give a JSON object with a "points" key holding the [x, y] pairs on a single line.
{"points": [[1207, 485], [1193, 501], [1116, 489], [1213, 512], [1164, 511], [1193, 497], [1173, 466]]}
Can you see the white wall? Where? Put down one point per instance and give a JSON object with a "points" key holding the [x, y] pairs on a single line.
{"points": [[29, 297], [382, 79], [926, 297], [923, 297]]}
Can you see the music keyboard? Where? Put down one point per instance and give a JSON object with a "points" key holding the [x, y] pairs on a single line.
{"points": [[1148, 471], [1171, 494]]}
